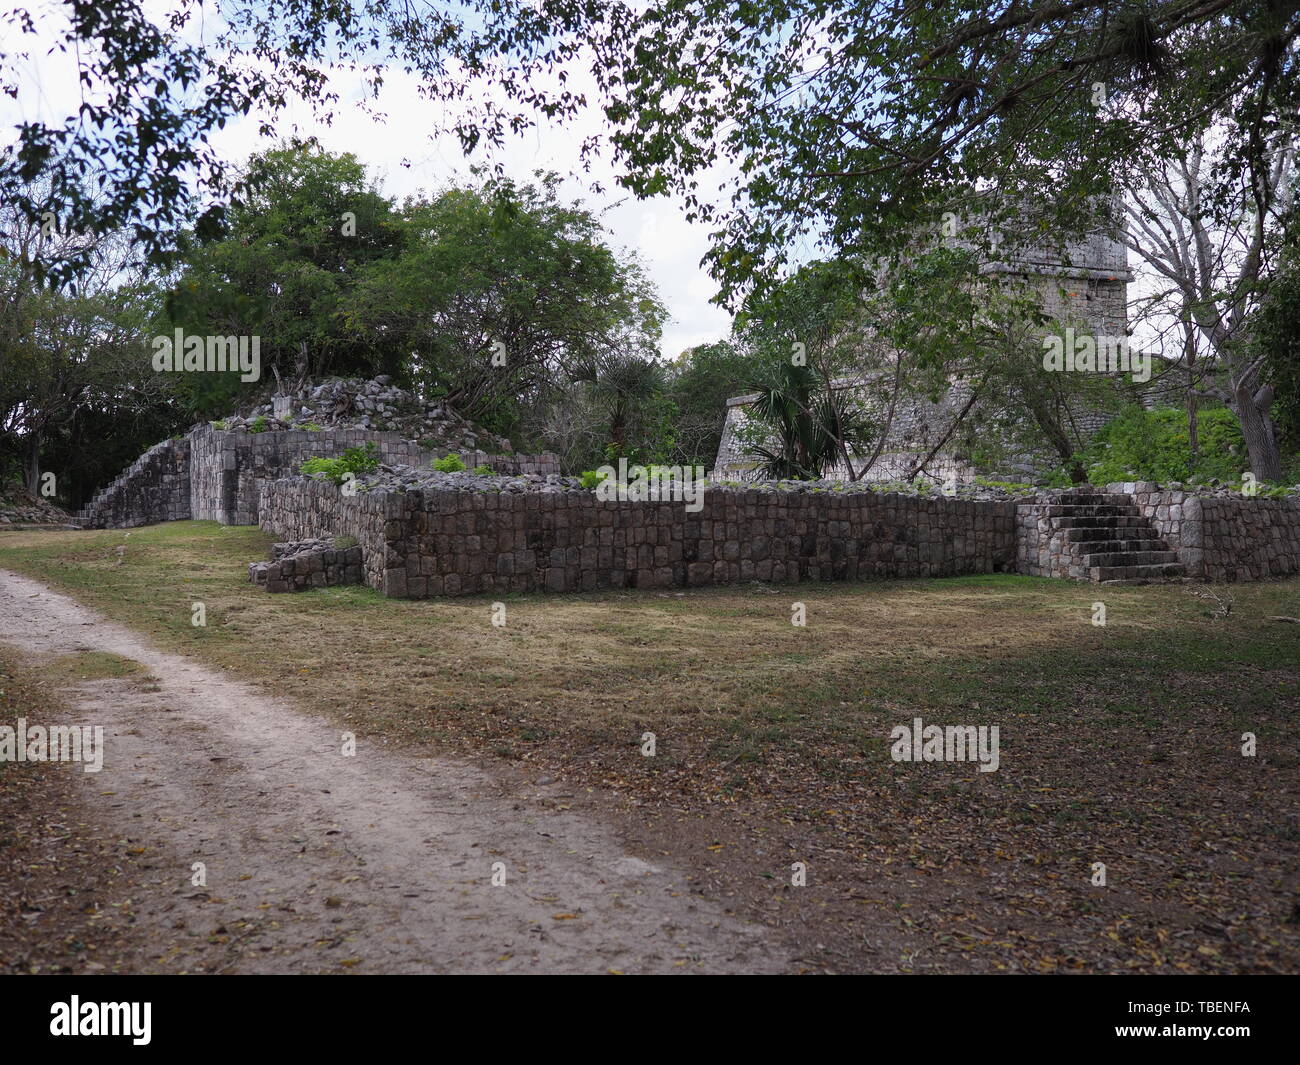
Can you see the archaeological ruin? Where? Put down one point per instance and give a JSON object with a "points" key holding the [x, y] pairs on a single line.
{"points": [[1085, 282], [512, 523]]}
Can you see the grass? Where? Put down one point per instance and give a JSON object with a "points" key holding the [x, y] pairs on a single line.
{"points": [[716, 673], [1118, 743], [91, 665]]}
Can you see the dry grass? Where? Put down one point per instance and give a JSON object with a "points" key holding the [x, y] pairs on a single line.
{"points": [[1120, 741]]}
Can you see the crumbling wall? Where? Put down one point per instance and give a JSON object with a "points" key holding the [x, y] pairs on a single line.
{"points": [[156, 487], [214, 475]]}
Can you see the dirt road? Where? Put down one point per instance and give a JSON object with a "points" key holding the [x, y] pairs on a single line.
{"points": [[316, 861]]}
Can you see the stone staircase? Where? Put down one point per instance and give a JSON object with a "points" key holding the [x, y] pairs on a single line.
{"points": [[155, 487], [1092, 535]]}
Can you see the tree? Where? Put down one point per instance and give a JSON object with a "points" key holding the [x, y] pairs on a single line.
{"points": [[503, 291], [850, 122], [625, 387], [700, 381], [1208, 258], [801, 424], [296, 244], [806, 336], [67, 355], [614, 408], [846, 118], [1275, 333]]}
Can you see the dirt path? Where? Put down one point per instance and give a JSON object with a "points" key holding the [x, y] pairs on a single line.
{"points": [[380, 862]]}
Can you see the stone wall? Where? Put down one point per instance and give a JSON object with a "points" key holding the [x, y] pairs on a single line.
{"points": [[228, 466], [429, 543], [156, 487], [303, 508], [304, 564], [214, 475], [1223, 537]]}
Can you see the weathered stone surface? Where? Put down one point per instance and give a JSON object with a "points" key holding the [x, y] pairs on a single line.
{"points": [[1221, 535], [311, 563], [567, 540], [215, 475]]}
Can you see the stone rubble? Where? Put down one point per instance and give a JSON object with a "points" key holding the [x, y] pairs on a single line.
{"points": [[301, 564], [378, 405], [400, 477], [19, 508]]}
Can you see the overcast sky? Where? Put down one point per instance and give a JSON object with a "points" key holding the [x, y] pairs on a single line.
{"points": [[404, 158]]}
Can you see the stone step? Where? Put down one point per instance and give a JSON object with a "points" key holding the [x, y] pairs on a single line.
{"points": [[1069, 510], [1094, 547], [1095, 499], [1109, 559], [1160, 571], [1122, 526]]}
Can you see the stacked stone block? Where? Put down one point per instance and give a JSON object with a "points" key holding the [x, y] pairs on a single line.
{"points": [[433, 543], [304, 564], [215, 475], [1085, 534], [156, 487], [1223, 536]]}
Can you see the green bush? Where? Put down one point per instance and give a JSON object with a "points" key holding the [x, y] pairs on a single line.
{"points": [[449, 464], [485, 471], [218, 425], [591, 478], [1006, 486], [258, 424], [354, 461], [1155, 445]]}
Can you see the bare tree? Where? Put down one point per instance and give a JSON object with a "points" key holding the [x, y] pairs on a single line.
{"points": [[1204, 258]]}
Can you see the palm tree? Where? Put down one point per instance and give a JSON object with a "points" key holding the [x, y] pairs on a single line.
{"points": [[809, 430]]}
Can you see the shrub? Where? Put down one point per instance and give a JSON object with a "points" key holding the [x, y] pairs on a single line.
{"points": [[220, 426], [449, 464], [485, 471], [258, 424], [354, 461], [1006, 486], [1155, 445], [591, 478]]}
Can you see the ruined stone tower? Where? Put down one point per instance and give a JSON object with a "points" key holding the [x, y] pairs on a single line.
{"points": [[1085, 281]]}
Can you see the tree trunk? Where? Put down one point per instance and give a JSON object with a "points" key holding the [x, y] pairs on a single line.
{"points": [[1054, 431], [618, 427], [1193, 428], [1259, 432], [34, 466]]}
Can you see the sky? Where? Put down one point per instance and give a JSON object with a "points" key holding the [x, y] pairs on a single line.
{"points": [[404, 158]]}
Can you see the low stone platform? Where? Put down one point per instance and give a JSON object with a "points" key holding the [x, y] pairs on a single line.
{"points": [[301, 564]]}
